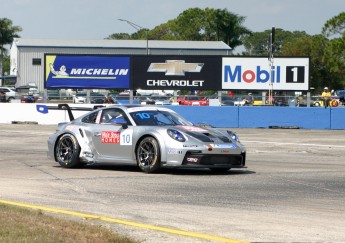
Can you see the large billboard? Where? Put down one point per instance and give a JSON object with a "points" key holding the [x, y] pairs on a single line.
{"points": [[87, 71], [176, 72], [241, 73]]}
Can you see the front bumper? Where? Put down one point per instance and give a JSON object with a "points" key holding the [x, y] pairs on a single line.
{"points": [[215, 160]]}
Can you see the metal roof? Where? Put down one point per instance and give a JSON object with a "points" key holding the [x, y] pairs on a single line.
{"points": [[152, 44]]}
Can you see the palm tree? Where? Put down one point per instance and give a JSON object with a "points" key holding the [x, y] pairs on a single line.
{"points": [[7, 33]]}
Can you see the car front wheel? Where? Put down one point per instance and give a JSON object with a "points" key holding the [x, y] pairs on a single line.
{"points": [[148, 155], [67, 151]]}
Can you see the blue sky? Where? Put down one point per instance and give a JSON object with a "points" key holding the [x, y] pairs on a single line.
{"points": [[90, 19]]}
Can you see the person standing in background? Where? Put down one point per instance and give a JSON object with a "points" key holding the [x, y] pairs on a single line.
{"points": [[326, 96], [250, 99], [2, 96]]}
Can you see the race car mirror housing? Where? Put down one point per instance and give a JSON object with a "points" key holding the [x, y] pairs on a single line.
{"points": [[120, 121]]}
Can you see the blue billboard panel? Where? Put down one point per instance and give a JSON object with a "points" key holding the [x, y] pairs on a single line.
{"points": [[81, 71]]}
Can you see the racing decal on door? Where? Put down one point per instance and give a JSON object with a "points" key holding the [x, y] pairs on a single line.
{"points": [[110, 137], [123, 138], [126, 137]]}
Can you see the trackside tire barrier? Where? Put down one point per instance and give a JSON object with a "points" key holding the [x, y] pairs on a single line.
{"points": [[334, 103]]}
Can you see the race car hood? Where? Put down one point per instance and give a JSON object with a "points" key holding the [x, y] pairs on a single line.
{"points": [[205, 134]]}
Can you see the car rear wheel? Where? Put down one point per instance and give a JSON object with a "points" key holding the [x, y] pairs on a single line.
{"points": [[67, 151], [148, 155]]}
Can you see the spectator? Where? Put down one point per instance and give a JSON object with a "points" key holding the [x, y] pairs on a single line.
{"points": [[172, 99], [326, 96], [249, 99], [109, 100], [2, 97]]}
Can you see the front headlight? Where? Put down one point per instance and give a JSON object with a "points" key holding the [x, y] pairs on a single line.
{"points": [[176, 135], [233, 136]]}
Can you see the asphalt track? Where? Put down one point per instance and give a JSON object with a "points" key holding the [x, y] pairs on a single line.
{"points": [[292, 191]]}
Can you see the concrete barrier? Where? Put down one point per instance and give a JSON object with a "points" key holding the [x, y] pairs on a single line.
{"points": [[218, 116], [311, 118]]}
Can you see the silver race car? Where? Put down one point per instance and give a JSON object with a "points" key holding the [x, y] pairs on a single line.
{"points": [[151, 137]]}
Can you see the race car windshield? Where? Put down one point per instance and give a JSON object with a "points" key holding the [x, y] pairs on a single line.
{"points": [[158, 118]]}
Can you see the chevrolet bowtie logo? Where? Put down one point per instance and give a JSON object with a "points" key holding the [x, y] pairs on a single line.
{"points": [[175, 67]]}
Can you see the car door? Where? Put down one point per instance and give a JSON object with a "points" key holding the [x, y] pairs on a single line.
{"points": [[111, 141]]}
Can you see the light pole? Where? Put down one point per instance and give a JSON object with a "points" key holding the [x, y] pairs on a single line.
{"points": [[271, 60], [138, 27]]}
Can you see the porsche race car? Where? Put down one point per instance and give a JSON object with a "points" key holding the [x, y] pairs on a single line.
{"points": [[151, 137]]}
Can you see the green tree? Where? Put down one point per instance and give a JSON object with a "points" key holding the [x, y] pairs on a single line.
{"points": [[313, 47], [257, 44], [228, 27], [7, 33], [189, 25], [164, 32], [197, 24], [334, 57], [119, 36], [326, 52], [335, 25]]}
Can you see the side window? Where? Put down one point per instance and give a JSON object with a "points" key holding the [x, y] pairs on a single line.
{"points": [[113, 116], [91, 118]]}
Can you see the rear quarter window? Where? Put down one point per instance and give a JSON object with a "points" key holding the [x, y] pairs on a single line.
{"points": [[91, 118]]}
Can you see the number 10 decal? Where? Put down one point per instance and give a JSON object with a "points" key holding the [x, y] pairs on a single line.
{"points": [[295, 74], [126, 137]]}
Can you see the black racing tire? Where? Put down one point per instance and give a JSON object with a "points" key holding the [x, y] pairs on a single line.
{"points": [[67, 151], [220, 170], [148, 155]]}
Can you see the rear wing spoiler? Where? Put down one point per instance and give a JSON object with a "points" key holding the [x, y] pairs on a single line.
{"points": [[65, 107]]}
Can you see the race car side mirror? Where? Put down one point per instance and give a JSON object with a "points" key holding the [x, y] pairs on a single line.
{"points": [[120, 121]]}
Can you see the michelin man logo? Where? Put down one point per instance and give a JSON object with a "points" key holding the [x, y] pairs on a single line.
{"points": [[61, 72]]}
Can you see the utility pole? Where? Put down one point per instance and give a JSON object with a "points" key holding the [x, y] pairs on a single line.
{"points": [[271, 62]]}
